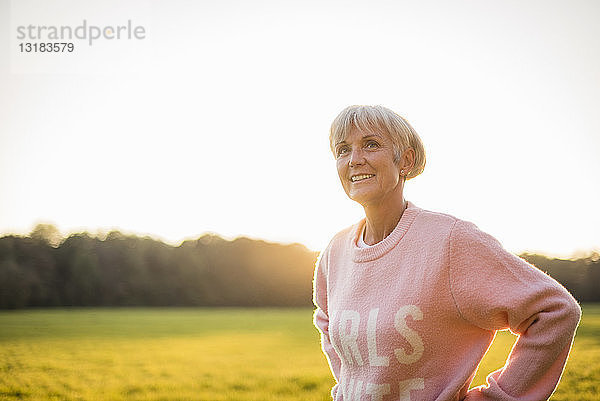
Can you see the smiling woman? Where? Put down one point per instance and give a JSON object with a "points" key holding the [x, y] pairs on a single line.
{"points": [[374, 160], [408, 300]]}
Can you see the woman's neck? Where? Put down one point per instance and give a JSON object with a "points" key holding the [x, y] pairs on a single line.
{"points": [[381, 221]]}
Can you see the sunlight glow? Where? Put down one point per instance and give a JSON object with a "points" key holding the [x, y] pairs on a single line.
{"points": [[221, 123]]}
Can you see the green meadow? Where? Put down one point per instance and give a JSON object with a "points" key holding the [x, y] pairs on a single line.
{"points": [[205, 354]]}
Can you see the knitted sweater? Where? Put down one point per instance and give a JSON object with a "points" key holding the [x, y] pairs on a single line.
{"points": [[411, 317]]}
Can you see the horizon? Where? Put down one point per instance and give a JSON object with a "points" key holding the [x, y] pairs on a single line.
{"points": [[102, 235]]}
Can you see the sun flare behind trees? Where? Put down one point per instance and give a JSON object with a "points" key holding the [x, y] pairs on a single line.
{"points": [[119, 270], [44, 269]]}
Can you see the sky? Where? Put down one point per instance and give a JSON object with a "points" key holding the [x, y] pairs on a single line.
{"points": [[217, 118]]}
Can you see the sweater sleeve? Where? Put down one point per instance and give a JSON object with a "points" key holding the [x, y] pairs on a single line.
{"points": [[494, 290], [321, 317]]}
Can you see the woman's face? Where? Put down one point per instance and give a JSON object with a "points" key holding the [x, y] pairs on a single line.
{"points": [[366, 167]]}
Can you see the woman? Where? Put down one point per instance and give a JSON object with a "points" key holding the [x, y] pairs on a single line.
{"points": [[409, 300]]}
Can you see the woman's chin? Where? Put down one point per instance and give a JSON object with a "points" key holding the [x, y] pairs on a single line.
{"points": [[360, 198]]}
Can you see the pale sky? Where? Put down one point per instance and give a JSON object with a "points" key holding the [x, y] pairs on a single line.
{"points": [[217, 121]]}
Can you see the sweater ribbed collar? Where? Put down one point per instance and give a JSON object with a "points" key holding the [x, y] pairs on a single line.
{"points": [[381, 248]]}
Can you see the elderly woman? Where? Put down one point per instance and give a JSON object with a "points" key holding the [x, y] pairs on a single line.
{"points": [[409, 300]]}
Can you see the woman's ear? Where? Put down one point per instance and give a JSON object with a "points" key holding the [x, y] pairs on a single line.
{"points": [[407, 160]]}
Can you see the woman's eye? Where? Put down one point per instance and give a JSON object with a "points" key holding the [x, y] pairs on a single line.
{"points": [[371, 145], [342, 151]]}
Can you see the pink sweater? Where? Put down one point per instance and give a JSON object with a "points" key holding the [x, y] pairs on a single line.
{"points": [[411, 317]]}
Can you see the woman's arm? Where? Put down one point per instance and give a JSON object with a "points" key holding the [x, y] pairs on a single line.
{"points": [[321, 317], [495, 290]]}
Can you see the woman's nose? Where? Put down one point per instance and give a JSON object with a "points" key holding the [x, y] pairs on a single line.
{"points": [[356, 158]]}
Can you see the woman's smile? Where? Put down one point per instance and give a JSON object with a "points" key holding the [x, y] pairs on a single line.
{"points": [[361, 177]]}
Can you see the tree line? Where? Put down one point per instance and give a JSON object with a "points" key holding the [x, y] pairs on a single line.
{"points": [[121, 270], [43, 269]]}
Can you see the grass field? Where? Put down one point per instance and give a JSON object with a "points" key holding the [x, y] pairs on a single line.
{"points": [[205, 354]]}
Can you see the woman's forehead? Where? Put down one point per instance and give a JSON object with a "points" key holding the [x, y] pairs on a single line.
{"points": [[360, 133]]}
